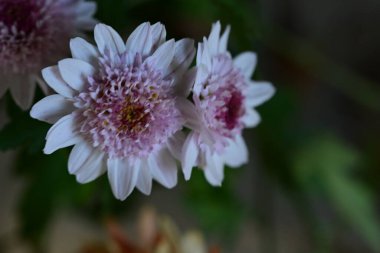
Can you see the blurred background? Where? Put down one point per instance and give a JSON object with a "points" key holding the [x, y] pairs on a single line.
{"points": [[312, 181]]}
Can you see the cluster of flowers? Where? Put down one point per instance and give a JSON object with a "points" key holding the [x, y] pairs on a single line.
{"points": [[132, 109]]}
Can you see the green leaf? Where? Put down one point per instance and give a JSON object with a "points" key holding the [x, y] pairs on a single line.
{"points": [[325, 166]]}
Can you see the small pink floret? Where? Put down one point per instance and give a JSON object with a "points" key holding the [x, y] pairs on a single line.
{"points": [[34, 33]]}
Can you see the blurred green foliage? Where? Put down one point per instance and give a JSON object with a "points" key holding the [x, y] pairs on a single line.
{"points": [[325, 167], [219, 209]]}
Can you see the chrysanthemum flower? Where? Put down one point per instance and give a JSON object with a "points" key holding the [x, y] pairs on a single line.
{"points": [[117, 104], [224, 99], [34, 34]]}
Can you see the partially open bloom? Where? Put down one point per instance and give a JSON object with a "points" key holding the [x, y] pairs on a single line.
{"points": [[117, 103], [224, 99], [33, 35]]}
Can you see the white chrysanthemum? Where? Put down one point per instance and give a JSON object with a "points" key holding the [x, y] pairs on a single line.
{"points": [[117, 104], [35, 34], [224, 99]]}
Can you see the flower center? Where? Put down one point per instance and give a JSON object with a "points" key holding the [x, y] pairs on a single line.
{"points": [[132, 118], [222, 101], [128, 110], [231, 111], [22, 14]]}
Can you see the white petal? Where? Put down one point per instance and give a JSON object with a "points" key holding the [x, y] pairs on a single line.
{"points": [[140, 40], [224, 40], [86, 9], [22, 90], [92, 168], [52, 108], [183, 56], [54, 79], [236, 153], [108, 39], [214, 169], [246, 62], [79, 155], [206, 56], [163, 167], [199, 53], [251, 118], [122, 175], [158, 34], [184, 85], [213, 39], [82, 50], [62, 134], [144, 181], [190, 153], [86, 163], [175, 144], [163, 56], [189, 113], [75, 72], [201, 77], [258, 93]]}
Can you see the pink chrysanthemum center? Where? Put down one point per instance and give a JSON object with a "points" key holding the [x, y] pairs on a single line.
{"points": [[32, 32], [231, 111], [132, 118], [128, 109], [23, 14], [221, 99]]}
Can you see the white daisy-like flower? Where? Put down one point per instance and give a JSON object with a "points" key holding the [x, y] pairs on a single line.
{"points": [[224, 99], [34, 34], [117, 103]]}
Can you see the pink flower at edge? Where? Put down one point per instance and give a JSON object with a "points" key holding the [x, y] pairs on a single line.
{"points": [[33, 35], [117, 103], [224, 98]]}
